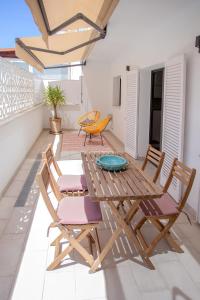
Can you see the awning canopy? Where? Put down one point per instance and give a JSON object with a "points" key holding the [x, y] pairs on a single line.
{"points": [[69, 30], [54, 16], [34, 51]]}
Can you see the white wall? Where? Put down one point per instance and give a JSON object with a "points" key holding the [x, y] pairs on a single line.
{"points": [[118, 122], [192, 123], [96, 77], [17, 136]]}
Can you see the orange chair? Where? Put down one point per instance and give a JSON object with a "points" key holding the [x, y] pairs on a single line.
{"points": [[88, 119], [96, 129]]}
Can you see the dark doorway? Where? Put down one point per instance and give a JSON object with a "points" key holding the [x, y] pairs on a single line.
{"points": [[155, 130]]}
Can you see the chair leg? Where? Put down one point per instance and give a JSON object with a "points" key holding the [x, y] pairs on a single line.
{"points": [[140, 224], [160, 236], [168, 236], [79, 130], [90, 243], [101, 139], [97, 240], [85, 139], [58, 248], [57, 239], [74, 244]]}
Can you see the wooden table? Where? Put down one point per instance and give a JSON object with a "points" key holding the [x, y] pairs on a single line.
{"points": [[128, 185]]}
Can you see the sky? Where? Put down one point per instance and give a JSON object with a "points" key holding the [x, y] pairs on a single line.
{"points": [[15, 21]]}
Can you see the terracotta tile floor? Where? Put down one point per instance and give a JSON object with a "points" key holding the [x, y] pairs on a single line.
{"points": [[25, 250]]}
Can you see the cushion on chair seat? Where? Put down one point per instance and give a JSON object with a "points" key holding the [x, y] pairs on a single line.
{"points": [[87, 122], [79, 210], [159, 207], [72, 183]]}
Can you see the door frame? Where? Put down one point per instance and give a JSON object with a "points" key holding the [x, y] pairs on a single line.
{"points": [[144, 107], [151, 96]]}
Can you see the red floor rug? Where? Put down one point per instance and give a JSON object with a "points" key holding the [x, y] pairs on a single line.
{"points": [[72, 142]]}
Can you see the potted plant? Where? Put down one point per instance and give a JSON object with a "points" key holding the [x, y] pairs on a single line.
{"points": [[54, 97]]}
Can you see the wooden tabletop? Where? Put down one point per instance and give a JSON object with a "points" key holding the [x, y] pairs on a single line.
{"points": [[129, 184]]}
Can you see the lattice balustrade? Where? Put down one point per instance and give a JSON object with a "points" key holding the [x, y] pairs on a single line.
{"points": [[19, 89]]}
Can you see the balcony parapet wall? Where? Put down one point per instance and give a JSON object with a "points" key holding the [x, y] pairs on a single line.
{"points": [[19, 90]]}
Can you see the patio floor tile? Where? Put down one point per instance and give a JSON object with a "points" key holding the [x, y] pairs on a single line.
{"points": [[3, 223], [158, 295], [5, 286], [190, 259], [22, 174], [14, 189], [59, 284], [67, 264], [178, 281], [19, 221], [11, 246], [6, 206], [187, 230], [29, 285], [89, 286], [147, 280], [120, 283]]}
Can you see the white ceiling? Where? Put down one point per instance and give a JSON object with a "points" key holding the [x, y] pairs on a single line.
{"points": [[141, 31]]}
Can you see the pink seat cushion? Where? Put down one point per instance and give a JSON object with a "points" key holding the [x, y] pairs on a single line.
{"points": [[72, 183], [159, 207], [79, 210], [87, 122]]}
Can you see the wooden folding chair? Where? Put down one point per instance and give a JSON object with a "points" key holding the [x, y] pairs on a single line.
{"points": [[165, 208], [75, 217], [156, 158], [74, 185]]}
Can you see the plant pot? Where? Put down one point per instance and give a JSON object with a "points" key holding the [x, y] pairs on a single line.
{"points": [[55, 125]]}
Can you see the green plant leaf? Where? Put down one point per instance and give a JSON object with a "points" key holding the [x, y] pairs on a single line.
{"points": [[54, 96]]}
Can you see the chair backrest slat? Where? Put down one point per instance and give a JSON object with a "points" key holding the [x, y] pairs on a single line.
{"points": [[154, 155], [44, 180], [156, 158], [153, 160], [185, 175], [152, 149], [49, 157]]}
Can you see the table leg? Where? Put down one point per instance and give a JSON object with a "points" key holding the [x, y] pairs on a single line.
{"points": [[105, 250], [125, 225]]}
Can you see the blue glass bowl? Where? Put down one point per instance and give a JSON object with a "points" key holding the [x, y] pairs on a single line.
{"points": [[112, 162]]}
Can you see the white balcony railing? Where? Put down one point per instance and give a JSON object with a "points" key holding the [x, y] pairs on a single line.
{"points": [[19, 89]]}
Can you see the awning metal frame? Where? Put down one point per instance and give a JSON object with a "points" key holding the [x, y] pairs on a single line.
{"points": [[66, 51], [26, 48], [77, 17], [66, 66]]}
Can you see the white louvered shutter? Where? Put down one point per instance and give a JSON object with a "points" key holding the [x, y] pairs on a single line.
{"points": [[131, 134], [173, 119]]}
